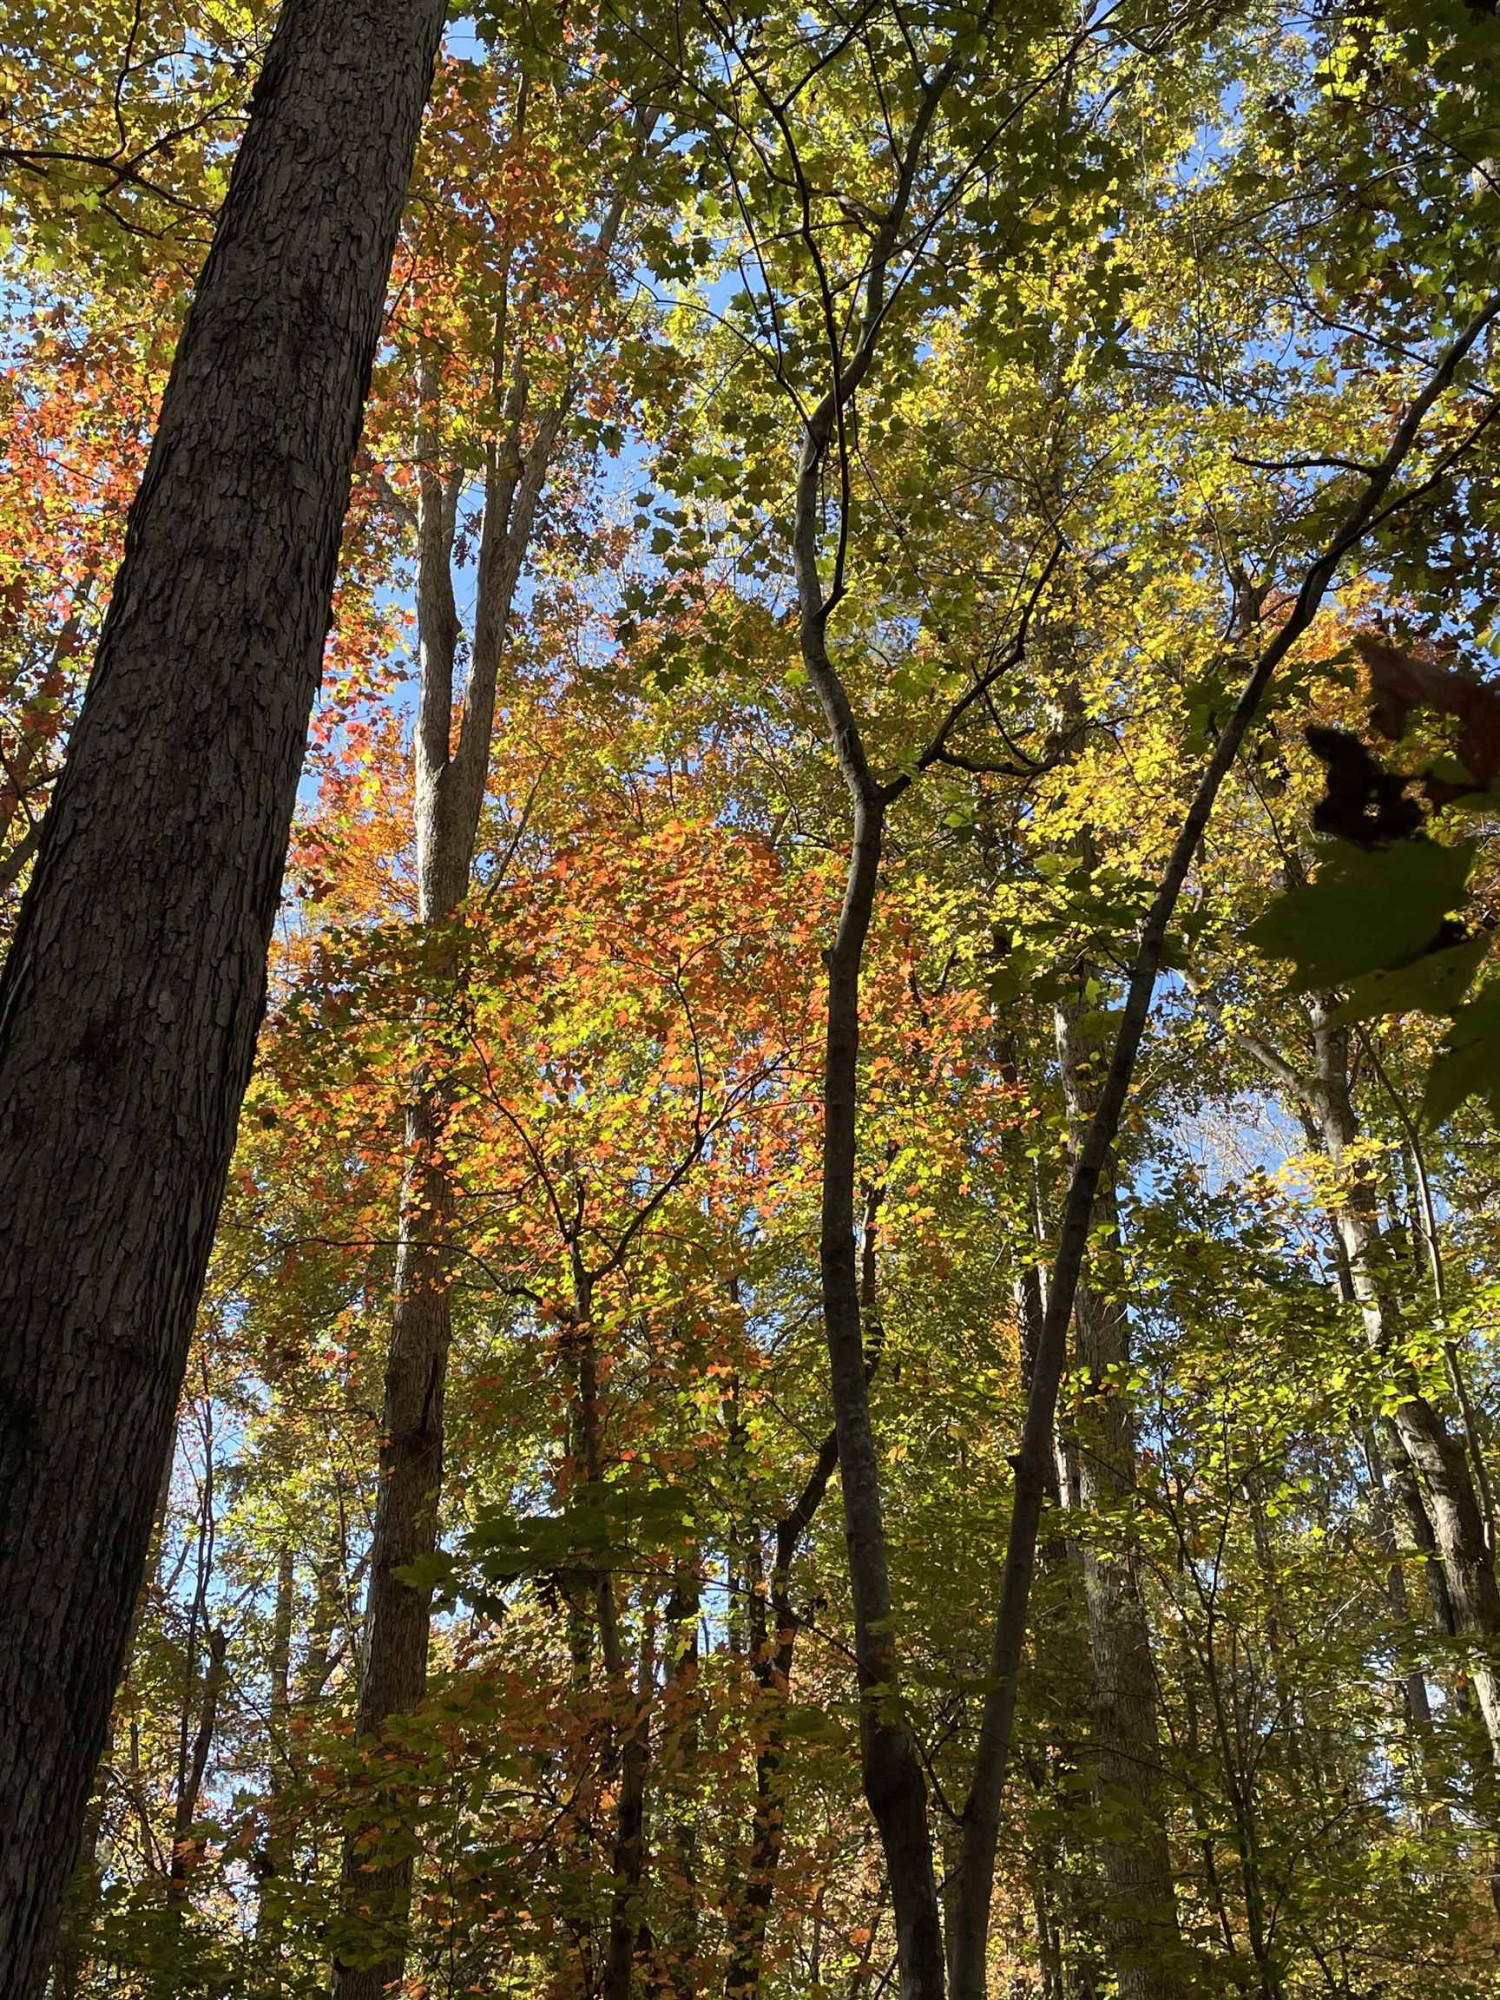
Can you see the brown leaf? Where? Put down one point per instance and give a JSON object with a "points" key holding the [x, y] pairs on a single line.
{"points": [[1401, 681]]}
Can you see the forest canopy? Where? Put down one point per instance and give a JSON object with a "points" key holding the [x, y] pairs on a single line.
{"points": [[851, 1342]]}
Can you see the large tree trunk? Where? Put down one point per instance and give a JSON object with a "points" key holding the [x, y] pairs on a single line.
{"points": [[134, 987], [80, 1904], [1140, 1913]]}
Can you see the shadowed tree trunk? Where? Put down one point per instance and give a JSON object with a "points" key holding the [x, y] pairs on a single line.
{"points": [[773, 1642], [134, 987], [185, 1849], [80, 1906], [675, 1950], [1140, 1907], [270, 1913]]}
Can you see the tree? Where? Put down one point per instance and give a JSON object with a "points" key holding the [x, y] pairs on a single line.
{"points": [[132, 991], [500, 382], [975, 409]]}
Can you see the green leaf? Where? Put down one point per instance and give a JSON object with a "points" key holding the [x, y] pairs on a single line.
{"points": [[1366, 911], [435, 1571], [1468, 1064], [1432, 984]]}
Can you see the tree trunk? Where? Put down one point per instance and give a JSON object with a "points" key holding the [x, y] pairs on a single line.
{"points": [[451, 782], [1140, 1906], [626, 1929], [894, 1785], [773, 1643], [450, 789], [80, 1905], [1415, 1700], [982, 1808], [893, 1780], [276, 1859], [676, 1951], [376, 1890], [134, 987], [1436, 1458], [185, 1849], [630, 1749]]}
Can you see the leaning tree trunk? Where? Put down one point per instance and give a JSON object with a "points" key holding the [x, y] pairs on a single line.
{"points": [[1032, 1462], [1140, 1906], [135, 984]]}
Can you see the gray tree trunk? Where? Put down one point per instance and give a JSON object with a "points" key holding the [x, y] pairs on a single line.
{"points": [[1140, 1908], [1437, 1460], [134, 987]]}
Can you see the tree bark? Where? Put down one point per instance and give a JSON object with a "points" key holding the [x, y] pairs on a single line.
{"points": [[185, 1850], [451, 781], [893, 1780], [1140, 1905], [675, 1954], [1436, 1459], [629, 1748], [773, 1642], [269, 1915], [1415, 1700], [80, 1904], [135, 983]]}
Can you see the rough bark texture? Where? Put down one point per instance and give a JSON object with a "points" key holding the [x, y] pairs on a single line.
{"points": [[1140, 1908], [80, 1907], [135, 984]]}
